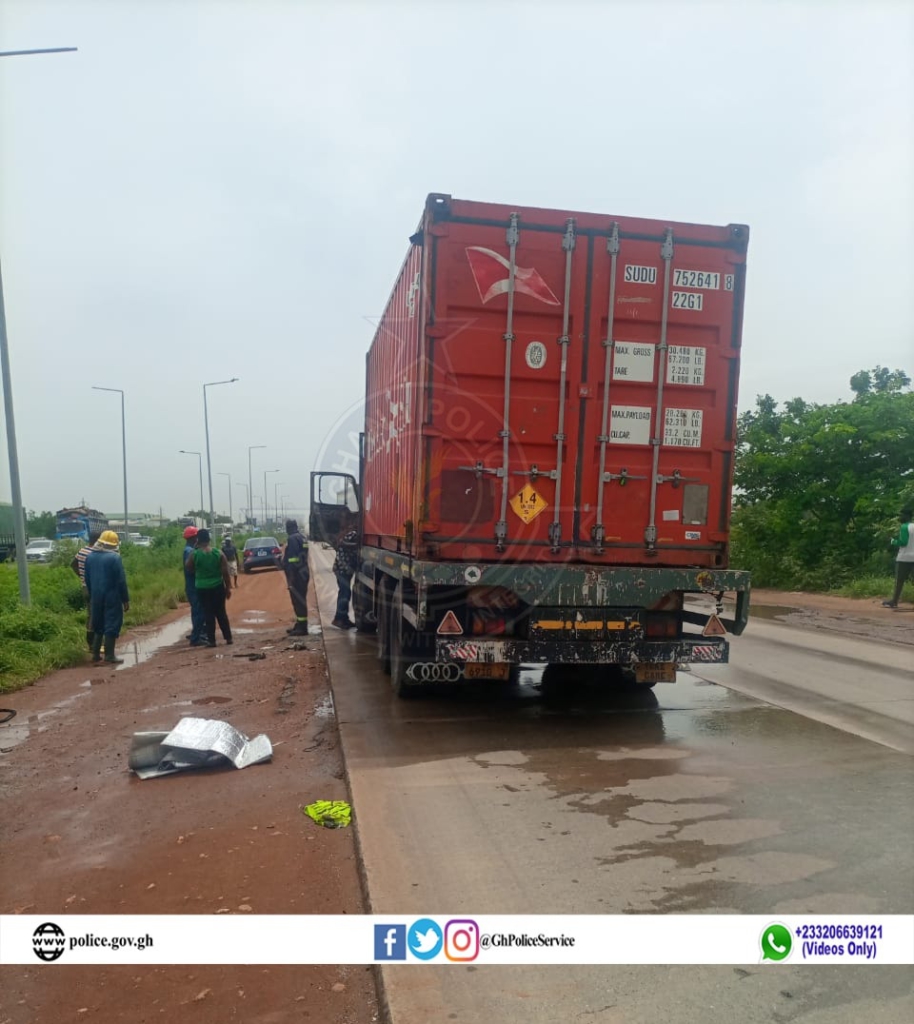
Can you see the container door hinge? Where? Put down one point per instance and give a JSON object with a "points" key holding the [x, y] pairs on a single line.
{"points": [[501, 534], [555, 536]]}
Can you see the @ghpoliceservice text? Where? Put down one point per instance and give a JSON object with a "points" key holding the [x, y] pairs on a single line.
{"points": [[499, 940]]}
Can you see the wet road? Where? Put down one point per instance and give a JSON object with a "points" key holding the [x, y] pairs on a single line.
{"points": [[695, 797]]}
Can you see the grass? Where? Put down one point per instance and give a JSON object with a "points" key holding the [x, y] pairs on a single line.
{"points": [[51, 633], [875, 586]]}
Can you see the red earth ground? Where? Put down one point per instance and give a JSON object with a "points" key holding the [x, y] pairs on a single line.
{"points": [[81, 834]]}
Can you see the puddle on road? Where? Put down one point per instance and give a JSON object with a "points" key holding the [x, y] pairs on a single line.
{"points": [[173, 704], [13, 734], [144, 647], [772, 611], [255, 616]]}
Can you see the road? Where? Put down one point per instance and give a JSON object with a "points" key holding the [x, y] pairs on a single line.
{"points": [[779, 784]]}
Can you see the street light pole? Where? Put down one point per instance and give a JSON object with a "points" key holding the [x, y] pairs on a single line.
{"points": [[22, 565], [124, 448], [209, 471], [265, 499], [275, 498], [250, 480], [25, 595], [200, 457], [248, 492], [231, 515]]}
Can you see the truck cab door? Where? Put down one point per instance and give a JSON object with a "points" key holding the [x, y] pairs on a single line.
{"points": [[333, 496]]}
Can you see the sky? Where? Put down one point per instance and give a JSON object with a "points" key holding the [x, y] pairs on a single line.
{"points": [[206, 191]]}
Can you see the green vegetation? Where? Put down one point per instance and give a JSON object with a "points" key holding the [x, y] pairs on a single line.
{"points": [[41, 524], [819, 488], [51, 634]]}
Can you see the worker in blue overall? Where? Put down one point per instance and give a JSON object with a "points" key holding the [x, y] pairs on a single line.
{"points": [[109, 598]]}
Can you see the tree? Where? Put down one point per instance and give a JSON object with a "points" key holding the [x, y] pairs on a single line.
{"points": [[819, 486], [41, 524]]}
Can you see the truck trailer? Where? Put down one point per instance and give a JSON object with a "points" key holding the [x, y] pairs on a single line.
{"points": [[546, 465]]}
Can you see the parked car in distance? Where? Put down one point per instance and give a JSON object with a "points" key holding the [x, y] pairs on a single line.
{"points": [[141, 542], [260, 552], [39, 550]]}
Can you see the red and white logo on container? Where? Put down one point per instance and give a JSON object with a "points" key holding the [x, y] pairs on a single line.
{"points": [[492, 274], [461, 940]]}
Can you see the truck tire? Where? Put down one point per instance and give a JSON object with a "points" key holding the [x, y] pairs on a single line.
{"points": [[383, 648], [365, 621]]}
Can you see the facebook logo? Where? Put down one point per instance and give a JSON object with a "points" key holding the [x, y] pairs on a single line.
{"points": [[390, 942]]}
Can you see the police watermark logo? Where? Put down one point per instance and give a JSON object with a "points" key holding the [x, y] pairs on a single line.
{"points": [[48, 942]]}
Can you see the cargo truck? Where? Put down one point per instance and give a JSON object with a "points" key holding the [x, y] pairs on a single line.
{"points": [[547, 457], [81, 524]]}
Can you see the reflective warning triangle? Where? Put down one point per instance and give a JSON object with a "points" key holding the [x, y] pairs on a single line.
{"points": [[450, 625], [714, 627]]}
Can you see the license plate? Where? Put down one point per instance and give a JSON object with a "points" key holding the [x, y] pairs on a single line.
{"points": [[483, 671], [655, 672], [261, 553]]}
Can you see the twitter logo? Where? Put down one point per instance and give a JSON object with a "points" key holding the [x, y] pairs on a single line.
{"points": [[424, 939]]}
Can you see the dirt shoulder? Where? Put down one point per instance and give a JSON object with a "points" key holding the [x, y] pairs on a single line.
{"points": [[858, 617], [82, 834]]}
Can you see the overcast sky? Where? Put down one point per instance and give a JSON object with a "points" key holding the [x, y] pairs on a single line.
{"points": [[215, 190]]}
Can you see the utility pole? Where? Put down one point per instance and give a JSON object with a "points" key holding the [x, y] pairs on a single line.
{"points": [[25, 594]]}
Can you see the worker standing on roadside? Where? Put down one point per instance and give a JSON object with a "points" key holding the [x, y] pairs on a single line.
{"points": [[298, 576], [214, 586], [904, 560], [109, 598], [344, 568], [78, 565], [231, 556], [190, 589]]}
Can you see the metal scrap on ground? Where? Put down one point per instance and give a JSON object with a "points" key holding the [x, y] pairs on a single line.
{"points": [[195, 743]]}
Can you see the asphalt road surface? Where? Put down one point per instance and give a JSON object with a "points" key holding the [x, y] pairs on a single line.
{"points": [[782, 783]]}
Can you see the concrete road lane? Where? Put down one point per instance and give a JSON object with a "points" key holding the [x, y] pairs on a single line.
{"points": [[692, 798], [862, 686]]}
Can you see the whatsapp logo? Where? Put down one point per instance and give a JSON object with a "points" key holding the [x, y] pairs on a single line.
{"points": [[777, 942]]}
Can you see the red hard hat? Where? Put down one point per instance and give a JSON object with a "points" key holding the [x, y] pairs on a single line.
{"points": [[189, 532]]}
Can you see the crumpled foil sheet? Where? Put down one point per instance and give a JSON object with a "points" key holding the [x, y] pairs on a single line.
{"points": [[195, 743]]}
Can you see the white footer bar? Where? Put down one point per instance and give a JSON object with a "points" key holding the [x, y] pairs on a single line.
{"points": [[244, 938]]}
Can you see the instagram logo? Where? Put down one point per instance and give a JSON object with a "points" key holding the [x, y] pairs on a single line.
{"points": [[461, 940]]}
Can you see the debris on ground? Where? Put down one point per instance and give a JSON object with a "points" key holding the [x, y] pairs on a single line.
{"points": [[195, 743], [299, 645], [253, 656], [330, 813]]}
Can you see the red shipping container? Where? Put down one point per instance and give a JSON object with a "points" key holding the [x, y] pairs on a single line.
{"points": [[547, 386]]}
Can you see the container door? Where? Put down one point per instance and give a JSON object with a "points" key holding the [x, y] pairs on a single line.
{"points": [[501, 417], [657, 432]]}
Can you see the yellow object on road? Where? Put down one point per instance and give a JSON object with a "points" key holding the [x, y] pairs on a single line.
{"points": [[330, 813]]}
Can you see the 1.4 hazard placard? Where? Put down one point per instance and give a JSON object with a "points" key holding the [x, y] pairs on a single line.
{"points": [[527, 504]]}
